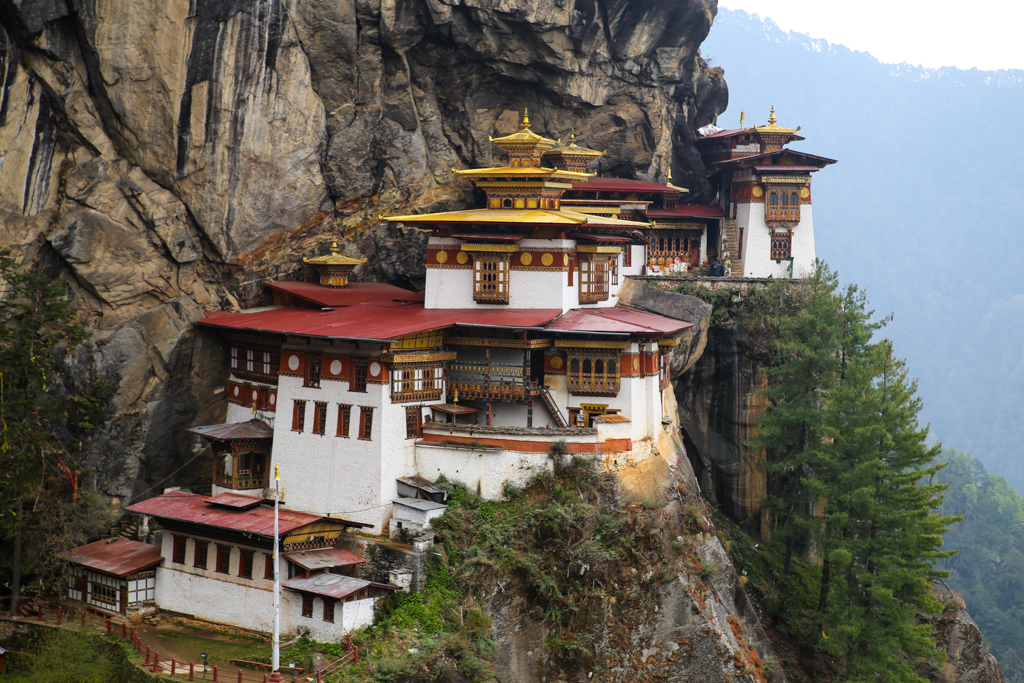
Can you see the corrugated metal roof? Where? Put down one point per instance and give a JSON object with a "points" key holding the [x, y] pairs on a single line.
{"points": [[687, 211], [324, 559], [781, 153], [191, 507], [454, 409], [518, 217], [617, 319], [490, 237], [236, 500], [375, 320], [329, 585], [420, 504], [253, 429], [118, 556], [612, 419], [355, 293]]}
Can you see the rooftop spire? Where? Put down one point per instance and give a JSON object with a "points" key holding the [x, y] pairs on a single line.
{"points": [[526, 120], [743, 118], [771, 117]]}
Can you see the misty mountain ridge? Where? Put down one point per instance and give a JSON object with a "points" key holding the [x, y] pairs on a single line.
{"points": [[923, 210]]}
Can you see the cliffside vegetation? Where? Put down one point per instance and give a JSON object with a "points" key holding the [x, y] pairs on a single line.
{"points": [[989, 568], [852, 535]]}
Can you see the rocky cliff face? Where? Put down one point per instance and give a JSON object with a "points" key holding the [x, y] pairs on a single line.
{"points": [[164, 156]]}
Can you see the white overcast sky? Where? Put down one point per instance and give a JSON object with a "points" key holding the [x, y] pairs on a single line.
{"points": [[930, 33]]}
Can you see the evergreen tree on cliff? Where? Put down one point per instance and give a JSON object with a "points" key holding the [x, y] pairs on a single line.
{"points": [[846, 437], [38, 416]]}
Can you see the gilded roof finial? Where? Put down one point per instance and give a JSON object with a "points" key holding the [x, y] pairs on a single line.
{"points": [[572, 136], [334, 246], [526, 120], [743, 118], [771, 117], [670, 174]]}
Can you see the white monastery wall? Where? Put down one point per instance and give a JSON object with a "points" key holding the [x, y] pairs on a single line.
{"points": [[757, 261], [348, 616], [215, 600], [483, 471], [398, 458]]}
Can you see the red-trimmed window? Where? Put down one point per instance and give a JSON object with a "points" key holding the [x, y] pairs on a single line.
{"points": [[319, 417], [365, 423], [413, 427], [491, 278], [312, 378], [201, 553], [307, 605], [178, 553], [344, 419], [782, 245], [268, 566], [245, 562], [329, 610], [358, 382], [223, 558], [299, 416], [594, 277]]}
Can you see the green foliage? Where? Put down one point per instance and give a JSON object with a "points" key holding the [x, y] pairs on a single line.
{"points": [[850, 478], [989, 568], [68, 656]]}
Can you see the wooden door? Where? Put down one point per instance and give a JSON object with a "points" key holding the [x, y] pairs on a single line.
{"points": [[124, 598]]}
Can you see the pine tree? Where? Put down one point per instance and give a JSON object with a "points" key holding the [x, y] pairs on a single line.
{"points": [[36, 325]]}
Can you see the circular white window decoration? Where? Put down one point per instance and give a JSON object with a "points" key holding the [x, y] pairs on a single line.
{"points": [[236, 390], [374, 369], [273, 399], [255, 394], [293, 363], [336, 367]]}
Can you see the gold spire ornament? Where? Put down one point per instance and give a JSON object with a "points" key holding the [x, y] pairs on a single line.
{"points": [[743, 118], [771, 117], [526, 120], [334, 267]]}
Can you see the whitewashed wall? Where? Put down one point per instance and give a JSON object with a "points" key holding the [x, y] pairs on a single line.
{"points": [[757, 261]]}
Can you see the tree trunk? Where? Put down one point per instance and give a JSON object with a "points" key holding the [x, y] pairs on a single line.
{"points": [[788, 561], [16, 563], [826, 579]]}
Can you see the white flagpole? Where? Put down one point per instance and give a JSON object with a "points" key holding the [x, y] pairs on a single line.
{"points": [[277, 578]]}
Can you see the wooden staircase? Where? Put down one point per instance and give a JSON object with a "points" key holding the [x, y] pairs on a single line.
{"points": [[731, 236], [553, 407]]}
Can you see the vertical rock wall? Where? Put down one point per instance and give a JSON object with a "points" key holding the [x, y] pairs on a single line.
{"points": [[164, 156]]}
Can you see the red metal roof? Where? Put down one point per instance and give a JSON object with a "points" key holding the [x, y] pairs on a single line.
{"points": [[617, 319], [332, 585], [253, 429], [236, 500], [374, 320], [623, 185], [118, 556], [489, 237], [355, 293], [687, 211], [324, 559], [814, 161], [735, 132], [196, 509], [775, 168]]}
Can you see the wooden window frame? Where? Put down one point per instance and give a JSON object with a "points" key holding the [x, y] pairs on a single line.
{"points": [[344, 420], [320, 417], [413, 422], [246, 560], [627, 256], [311, 377], [595, 279], [365, 423], [103, 593], [778, 207], [360, 373], [223, 559], [201, 554], [420, 382], [582, 375], [268, 566], [179, 545], [307, 605], [328, 610], [781, 246], [255, 363], [299, 416], [492, 276]]}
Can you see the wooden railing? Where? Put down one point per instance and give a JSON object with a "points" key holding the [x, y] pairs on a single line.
{"points": [[241, 482], [593, 387]]}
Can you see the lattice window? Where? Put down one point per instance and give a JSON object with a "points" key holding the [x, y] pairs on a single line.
{"points": [[594, 279], [268, 566], [329, 610], [593, 374], [417, 383], [201, 553], [365, 423], [782, 245], [299, 416], [491, 278], [412, 422], [782, 205], [358, 382], [319, 417], [312, 378], [344, 419], [256, 364], [307, 605], [101, 593]]}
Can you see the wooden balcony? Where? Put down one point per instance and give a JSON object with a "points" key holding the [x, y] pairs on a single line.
{"points": [[593, 387], [494, 382], [241, 481]]}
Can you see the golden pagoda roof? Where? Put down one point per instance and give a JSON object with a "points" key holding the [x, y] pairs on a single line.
{"points": [[772, 126], [524, 139], [333, 258], [526, 172], [573, 148], [524, 216]]}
